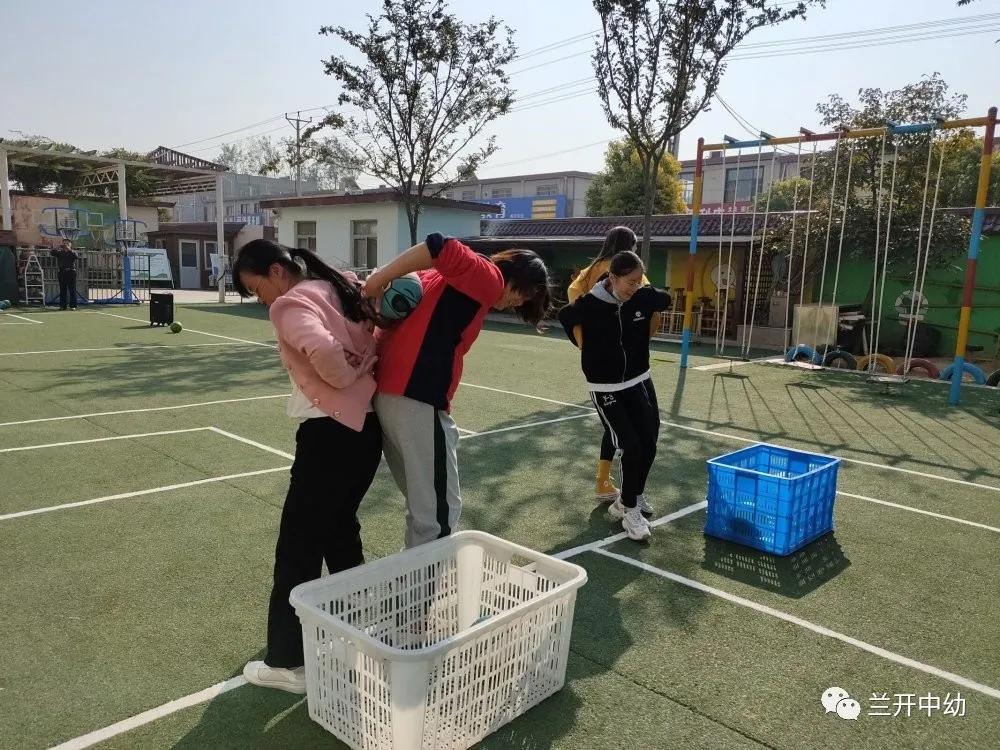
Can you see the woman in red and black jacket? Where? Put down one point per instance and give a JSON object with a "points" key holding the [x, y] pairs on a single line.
{"points": [[420, 364], [613, 318]]}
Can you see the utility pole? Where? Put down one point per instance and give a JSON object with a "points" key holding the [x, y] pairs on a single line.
{"points": [[298, 122]]}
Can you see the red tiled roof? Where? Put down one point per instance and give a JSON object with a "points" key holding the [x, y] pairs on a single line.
{"points": [[671, 225]]}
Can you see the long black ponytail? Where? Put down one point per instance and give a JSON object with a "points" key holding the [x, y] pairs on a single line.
{"points": [[257, 257], [618, 239]]}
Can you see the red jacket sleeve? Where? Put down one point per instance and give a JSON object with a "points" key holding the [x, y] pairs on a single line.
{"points": [[466, 270]]}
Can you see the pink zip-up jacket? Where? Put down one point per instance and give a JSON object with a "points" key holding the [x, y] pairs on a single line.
{"points": [[329, 357]]}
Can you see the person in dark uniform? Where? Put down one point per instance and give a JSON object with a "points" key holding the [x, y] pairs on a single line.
{"points": [[66, 257]]}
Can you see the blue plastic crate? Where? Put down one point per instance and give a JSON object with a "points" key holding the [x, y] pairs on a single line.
{"points": [[773, 499]]}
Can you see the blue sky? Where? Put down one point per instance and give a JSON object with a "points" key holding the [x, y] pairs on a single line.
{"points": [[109, 72]]}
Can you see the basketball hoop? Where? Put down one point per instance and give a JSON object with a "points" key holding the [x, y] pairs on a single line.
{"points": [[129, 233], [62, 222]]}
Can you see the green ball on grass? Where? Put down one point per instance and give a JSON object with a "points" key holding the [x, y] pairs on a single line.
{"points": [[176, 326]]}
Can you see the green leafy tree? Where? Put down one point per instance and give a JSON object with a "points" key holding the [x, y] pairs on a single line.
{"points": [[862, 222], [41, 179], [138, 182], [620, 189], [658, 63], [783, 195], [425, 85]]}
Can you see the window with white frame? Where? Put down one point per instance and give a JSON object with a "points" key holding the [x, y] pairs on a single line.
{"points": [[469, 195], [501, 193], [364, 244], [743, 183], [305, 235], [547, 190]]}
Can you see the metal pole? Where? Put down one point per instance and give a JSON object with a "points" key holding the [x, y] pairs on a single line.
{"points": [[978, 217], [692, 251], [6, 222], [122, 216], [297, 121], [220, 238]]}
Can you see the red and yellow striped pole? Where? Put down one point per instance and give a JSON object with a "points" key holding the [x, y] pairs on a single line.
{"points": [[978, 218]]}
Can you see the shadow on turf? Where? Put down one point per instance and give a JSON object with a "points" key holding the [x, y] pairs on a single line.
{"points": [[246, 310], [793, 576], [166, 371], [256, 717], [841, 413]]}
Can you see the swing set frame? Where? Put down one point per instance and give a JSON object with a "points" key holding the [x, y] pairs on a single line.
{"points": [[989, 122]]}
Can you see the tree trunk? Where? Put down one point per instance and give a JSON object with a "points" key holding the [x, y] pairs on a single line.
{"points": [[649, 177], [412, 217]]}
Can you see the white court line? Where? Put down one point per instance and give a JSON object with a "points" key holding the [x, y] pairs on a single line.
{"points": [[119, 348], [21, 317], [254, 443], [191, 330], [819, 629], [525, 395], [152, 714], [724, 365], [102, 439], [140, 493], [202, 696], [591, 546], [925, 475], [142, 411], [205, 695], [526, 426], [922, 512], [467, 433], [224, 433]]}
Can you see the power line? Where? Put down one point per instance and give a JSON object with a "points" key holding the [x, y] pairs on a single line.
{"points": [[567, 97], [568, 41], [960, 21], [560, 87], [543, 156], [832, 48], [557, 44], [973, 24], [228, 132], [238, 140], [325, 107], [883, 42]]}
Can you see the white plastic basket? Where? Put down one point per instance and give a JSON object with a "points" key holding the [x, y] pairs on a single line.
{"points": [[438, 646]]}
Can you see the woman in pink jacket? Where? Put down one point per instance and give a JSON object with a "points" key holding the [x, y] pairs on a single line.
{"points": [[324, 328]]}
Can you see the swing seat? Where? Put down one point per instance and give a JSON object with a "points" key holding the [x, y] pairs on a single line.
{"points": [[883, 379]]}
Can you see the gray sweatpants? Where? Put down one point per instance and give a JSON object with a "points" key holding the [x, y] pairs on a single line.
{"points": [[421, 447]]}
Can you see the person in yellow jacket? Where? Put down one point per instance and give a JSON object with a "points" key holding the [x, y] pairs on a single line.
{"points": [[618, 239]]}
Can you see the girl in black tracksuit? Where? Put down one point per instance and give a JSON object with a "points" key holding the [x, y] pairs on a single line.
{"points": [[614, 321]]}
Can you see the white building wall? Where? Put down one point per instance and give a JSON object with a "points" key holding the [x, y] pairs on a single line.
{"points": [[447, 221], [333, 228]]}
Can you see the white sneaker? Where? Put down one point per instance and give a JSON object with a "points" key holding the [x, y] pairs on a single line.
{"points": [[289, 680], [643, 504], [635, 524], [616, 509]]}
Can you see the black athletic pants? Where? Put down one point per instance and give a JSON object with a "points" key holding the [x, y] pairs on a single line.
{"points": [[67, 288], [333, 468], [632, 417]]}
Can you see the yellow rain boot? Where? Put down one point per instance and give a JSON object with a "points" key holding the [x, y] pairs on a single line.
{"points": [[606, 490]]}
